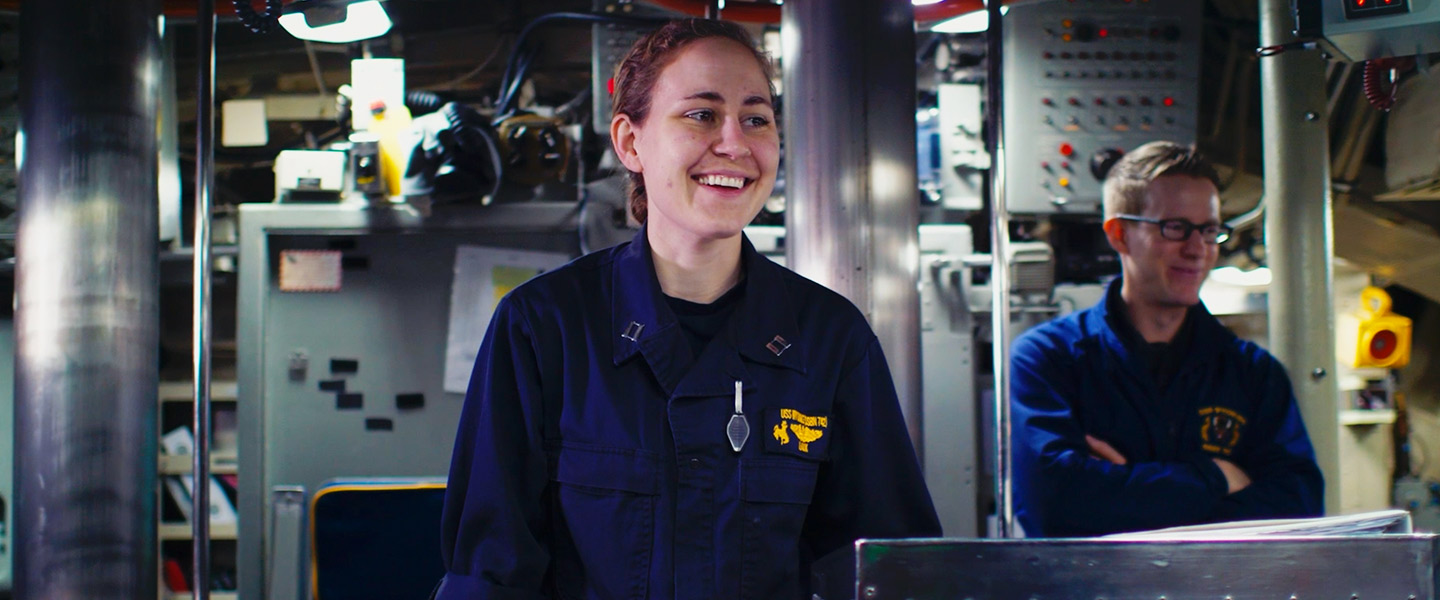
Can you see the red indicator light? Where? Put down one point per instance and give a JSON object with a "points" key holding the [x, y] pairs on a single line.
{"points": [[1103, 32], [1066, 149], [1364, 9], [1168, 101], [1383, 344]]}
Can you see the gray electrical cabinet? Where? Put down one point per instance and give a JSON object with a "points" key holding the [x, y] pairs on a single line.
{"points": [[341, 366], [7, 452], [1356, 30]]}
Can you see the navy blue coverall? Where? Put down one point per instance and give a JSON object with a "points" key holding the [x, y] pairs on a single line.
{"points": [[1228, 399], [592, 459]]}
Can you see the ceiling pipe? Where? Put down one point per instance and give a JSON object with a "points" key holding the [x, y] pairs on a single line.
{"points": [[760, 12], [747, 12]]}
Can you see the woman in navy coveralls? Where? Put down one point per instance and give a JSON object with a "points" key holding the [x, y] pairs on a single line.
{"points": [[677, 416]]}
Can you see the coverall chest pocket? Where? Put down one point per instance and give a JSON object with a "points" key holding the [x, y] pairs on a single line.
{"points": [[776, 493], [606, 507]]}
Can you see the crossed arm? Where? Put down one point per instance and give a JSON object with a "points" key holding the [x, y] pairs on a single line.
{"points": [[1068, 482], [1235, 478]]}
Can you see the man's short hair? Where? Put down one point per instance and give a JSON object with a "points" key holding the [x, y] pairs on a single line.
{"points": [[1127, 181]]}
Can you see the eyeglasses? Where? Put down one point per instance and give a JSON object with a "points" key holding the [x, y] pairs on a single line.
{"points": [[1179, 230]]}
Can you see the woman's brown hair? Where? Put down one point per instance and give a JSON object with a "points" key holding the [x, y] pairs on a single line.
{"points": [[635, 76]]}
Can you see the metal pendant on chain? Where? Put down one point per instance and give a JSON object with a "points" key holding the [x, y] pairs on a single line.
{"points": [[738, 430]]}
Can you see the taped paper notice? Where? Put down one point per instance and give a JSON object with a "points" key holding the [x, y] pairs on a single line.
{"points": [[482, 277], [310, 270]]}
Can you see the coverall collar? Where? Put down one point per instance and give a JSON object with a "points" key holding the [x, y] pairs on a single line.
{"points": [[1205, 330], [762, 328]]}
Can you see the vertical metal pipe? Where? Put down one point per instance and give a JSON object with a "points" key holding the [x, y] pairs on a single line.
{"points": [[1299, 233], [204, 184], [999, 269], [851, 209], [86, 299]]}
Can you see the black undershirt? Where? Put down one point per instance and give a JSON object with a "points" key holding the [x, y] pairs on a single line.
{"points": [[1162, 359], [701, 322]]}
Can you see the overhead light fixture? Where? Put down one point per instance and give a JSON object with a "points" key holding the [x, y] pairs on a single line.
{"points": [[335, 21], [971, 22]]}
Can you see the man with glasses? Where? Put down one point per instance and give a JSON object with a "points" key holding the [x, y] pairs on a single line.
{"points": [[1143, 411]]}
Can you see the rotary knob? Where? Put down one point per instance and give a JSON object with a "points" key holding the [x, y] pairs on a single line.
{"points": [[1102, 161]]}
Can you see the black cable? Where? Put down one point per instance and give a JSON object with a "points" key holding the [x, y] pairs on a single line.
{"points": [[1268, 51], [422, 102], [925, 50], [509, 93], [577, 102], [504, 107], [258, 22], [471, 135]]}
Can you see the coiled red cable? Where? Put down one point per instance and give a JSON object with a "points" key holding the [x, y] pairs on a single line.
{"points": [[1380, 78]]}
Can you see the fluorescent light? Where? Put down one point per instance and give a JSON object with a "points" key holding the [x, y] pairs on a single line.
{"points": [[335, 21], [1258, 277], [925, 2], [971, 22]]}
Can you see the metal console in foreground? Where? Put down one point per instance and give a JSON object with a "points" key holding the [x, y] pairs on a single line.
{"points": [[1390, 567]]}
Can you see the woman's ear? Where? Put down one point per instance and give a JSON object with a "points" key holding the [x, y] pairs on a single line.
{"points": [[622, 137], [1115, 234]]}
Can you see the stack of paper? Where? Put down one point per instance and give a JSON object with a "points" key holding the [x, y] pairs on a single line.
{"points": [[1369, 523]]}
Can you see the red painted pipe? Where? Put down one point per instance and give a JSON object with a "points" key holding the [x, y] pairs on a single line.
{"points": [[760, 12], [748, 12]]}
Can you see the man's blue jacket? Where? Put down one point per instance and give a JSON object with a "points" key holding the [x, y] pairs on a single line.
{"points": [[1228, 399], [592, 459]]}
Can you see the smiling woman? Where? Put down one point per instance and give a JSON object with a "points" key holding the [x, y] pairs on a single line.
{"points": [[636, 474], [706, 153]]}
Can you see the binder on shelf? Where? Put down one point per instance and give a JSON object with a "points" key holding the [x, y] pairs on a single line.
{"points": [[182, 487]]}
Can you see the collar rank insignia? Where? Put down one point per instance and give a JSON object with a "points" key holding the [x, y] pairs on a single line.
{"points": [[632, 331], [790, 431]]}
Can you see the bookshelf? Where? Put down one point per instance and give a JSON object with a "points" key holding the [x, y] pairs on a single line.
{"points": [[174, 535], [170, 532]]}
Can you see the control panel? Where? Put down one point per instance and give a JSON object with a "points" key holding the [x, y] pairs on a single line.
{"points": [[609, 42], [1086, 81], [1354, 30]]}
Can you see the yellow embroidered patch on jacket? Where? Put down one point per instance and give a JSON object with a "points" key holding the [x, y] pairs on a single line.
{"points": [[1220, 429], [797, 433]]}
